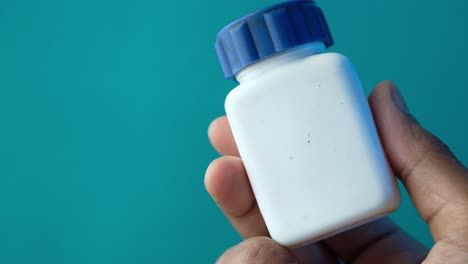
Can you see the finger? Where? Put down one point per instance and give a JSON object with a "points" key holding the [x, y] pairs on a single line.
{"points": [[315, 253], [221, 137], [377, 242], [436, 181], [261, 250], [381, 238], [258, 250], [227, 182]]}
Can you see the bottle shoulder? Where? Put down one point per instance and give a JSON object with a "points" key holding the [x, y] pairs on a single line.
{"points": [[294, 75], [331, 59]]}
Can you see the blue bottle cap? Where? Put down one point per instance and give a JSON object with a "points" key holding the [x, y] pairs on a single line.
{"points": [[269, 31]]}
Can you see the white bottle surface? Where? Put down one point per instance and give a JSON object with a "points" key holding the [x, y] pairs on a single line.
{"points": [[306, 135]]}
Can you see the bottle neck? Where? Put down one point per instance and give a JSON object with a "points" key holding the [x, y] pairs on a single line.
{"points": [[278, 60]]}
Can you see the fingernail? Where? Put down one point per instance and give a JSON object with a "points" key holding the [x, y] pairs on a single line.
{"points": [[399, 101]]}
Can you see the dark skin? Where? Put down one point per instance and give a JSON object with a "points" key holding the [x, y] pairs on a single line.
{"points": [[436, 181]]}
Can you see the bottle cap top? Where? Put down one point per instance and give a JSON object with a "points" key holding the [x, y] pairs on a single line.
{"points": [[269, 31]]}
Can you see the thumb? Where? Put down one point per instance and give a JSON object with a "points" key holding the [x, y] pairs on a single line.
{"points": [[257, 250], [436, 181]]}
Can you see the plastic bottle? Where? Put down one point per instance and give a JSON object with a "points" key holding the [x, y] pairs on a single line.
{"points": [[303, 126]]}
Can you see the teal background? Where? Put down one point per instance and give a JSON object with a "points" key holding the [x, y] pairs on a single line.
{"points": [[104, 108]]}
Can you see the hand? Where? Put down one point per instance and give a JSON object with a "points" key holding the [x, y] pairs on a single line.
{"points": [[435, 180]]}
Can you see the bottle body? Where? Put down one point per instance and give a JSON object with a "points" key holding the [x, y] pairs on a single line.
{"points": [[310, 147]]}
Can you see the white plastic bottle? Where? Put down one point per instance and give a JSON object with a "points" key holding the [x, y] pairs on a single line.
{"points": [[303, 126]]}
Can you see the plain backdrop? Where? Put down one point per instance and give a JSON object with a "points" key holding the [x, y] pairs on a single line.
{"points": [[104, 108]]}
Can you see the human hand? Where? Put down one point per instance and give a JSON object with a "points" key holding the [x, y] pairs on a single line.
{"points": [[435, 180]]}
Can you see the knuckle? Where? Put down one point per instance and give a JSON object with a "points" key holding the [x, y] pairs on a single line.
{"points": [[426, 147], [264, 250], [436, 144], [258, 250], [427, 141]]}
